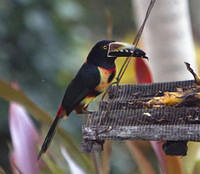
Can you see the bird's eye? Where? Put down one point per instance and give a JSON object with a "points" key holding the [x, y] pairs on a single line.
{"points": [[105, 47]]}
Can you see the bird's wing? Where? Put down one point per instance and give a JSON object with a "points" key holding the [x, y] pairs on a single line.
{"points": [[85, 81]]}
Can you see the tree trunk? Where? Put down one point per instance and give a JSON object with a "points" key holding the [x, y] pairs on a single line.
{"points": [[167, 38]]}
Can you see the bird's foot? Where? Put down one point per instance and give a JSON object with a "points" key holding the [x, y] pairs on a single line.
{"points": [[86, 112]]}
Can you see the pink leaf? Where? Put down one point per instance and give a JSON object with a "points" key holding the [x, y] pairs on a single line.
{"points": [[24, 137], [157, 147]]}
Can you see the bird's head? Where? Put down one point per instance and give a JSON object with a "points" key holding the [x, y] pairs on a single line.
{"points": [[105, 52]]}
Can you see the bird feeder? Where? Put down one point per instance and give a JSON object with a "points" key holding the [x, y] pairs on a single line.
{"points": [[125, 115]]}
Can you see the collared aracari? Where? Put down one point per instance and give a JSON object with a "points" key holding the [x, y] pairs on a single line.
{"points": [[93, 78]]}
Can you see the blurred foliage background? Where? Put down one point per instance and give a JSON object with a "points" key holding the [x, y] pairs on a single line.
{"points": [[42, 45]]}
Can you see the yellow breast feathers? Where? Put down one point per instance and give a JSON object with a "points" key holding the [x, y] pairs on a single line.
{"points": [[106, 77]]}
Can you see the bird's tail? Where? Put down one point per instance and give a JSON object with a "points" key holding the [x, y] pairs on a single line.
{"points": [[51, 132]]}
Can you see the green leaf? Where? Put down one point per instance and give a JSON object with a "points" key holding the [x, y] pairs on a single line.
{"points": [[8, 93], [196, 169], [190, 161], [52, 166], [142, 161], [80, 158], [2, 171]]}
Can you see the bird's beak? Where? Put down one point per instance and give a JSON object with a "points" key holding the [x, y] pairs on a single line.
{"points": [[120, 49]]}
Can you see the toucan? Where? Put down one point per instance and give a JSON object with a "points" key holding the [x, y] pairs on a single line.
{"points": [[93, 78]]}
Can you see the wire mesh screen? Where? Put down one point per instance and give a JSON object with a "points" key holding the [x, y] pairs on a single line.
{"points": [[124, 116]]}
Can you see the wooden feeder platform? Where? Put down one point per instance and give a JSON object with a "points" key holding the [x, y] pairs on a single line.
{"points": [[123, 116]]}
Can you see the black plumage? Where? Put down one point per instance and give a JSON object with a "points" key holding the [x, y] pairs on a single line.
{"points": [[93, 78]]}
